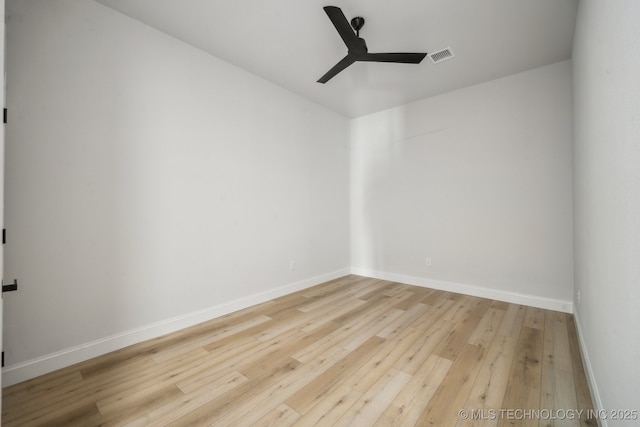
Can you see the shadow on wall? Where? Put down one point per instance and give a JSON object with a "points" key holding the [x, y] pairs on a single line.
{"points": [[377, 153]]}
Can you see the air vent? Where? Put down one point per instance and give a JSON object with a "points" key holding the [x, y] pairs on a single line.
{"points": [[441, 55]]}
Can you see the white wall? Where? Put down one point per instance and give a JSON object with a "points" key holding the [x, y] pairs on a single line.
{"points": [[478, 180], [147, 180], [2, 97], [606, 68]]}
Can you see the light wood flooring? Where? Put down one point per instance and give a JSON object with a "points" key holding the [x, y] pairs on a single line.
{"points": [[351, 352]]}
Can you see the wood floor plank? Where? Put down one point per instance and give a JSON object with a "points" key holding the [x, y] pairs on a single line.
{"points": [[558, 391], [224, 404], [376, 290], [435, 332], [353, 351], [415, 396], [77, 417], [461, 308], [287, 321], [487, 328], [189, 402], [240, 342], [256, 407], [436, 297], [206, 339], [458, 336], [583, 395], [97, 388], [328, 410], [500, 305], [523, 388], [335, 298], [268, 353], [432, 314], [255, 368], [534, 318], [184, 366], [372, 328], [330, 313], [144, 401], [382, 361], [366, 410], [420, 293], [322, 385], [282, 416], [352, 323], [513, 319], [44, 387], [27, 396], [403, 321], [340, 284], [451, 395], [491, 382]]}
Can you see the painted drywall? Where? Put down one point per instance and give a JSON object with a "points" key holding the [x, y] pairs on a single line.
{"points": [[607, 198], [147, 180], [2, 96], [477, 180]]}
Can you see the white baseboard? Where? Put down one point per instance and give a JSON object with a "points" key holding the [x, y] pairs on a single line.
{"points": [[564, 306], [23, 371], [591, 379]]}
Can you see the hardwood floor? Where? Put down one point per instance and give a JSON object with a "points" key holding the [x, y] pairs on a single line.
{"points": [[351, 352]]}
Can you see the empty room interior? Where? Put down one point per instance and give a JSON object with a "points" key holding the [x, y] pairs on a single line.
{"points": [[241, 213]]}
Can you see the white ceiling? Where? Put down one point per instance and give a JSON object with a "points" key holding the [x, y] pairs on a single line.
{"points": [[292, 42]]}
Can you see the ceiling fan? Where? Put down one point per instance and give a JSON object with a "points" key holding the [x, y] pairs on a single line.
{"points": [[357, 47]]}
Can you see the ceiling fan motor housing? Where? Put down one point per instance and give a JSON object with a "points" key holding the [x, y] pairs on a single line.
{"points": [[357, 23]]}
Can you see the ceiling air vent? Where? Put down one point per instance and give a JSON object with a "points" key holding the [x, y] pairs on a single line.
{"points": [[441, 55]]}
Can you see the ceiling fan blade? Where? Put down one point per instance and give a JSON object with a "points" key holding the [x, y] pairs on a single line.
{"points": [[406, 58], [344, 63], [344, 28]]}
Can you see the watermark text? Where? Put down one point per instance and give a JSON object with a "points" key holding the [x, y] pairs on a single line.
{"points": [[548, 414]]}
